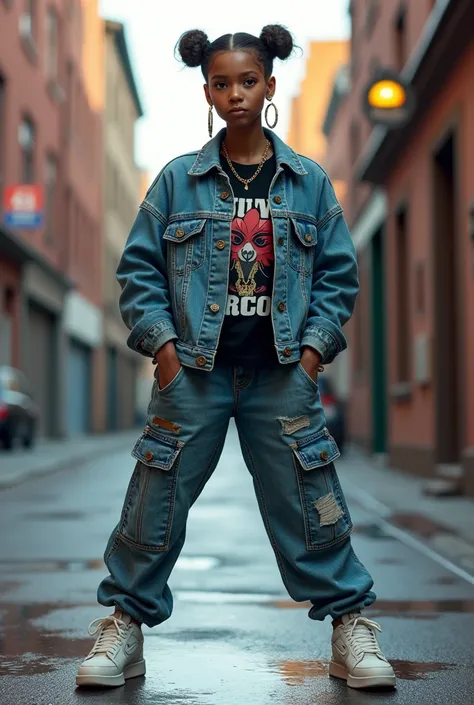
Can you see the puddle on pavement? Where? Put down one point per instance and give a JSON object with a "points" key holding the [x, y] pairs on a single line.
{"points": [[415, 671], [398, 608], [28, 649], [47, 566], [297, 672], [32, 650], [234, 598], [196, 563]]}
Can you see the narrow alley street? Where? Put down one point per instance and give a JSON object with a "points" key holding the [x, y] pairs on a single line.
{"points": [[234, 637]]}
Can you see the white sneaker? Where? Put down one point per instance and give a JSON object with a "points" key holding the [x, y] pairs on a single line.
{"points": [[116, 655], [357, 657]]}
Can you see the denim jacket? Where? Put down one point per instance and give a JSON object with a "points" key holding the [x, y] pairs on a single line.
{"points": [[174, 271]]}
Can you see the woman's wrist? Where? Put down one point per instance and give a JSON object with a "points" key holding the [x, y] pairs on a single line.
{"points": [[166, 353], [312, 359]]}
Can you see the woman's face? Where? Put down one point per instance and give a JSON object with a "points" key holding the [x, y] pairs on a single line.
{"points": [[237, 87]]}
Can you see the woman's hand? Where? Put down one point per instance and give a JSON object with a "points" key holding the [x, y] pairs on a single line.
{"points": [[168, 364], [311, 362]]}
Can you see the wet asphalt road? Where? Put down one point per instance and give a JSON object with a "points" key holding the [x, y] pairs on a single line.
{"points": [[234, 637]]}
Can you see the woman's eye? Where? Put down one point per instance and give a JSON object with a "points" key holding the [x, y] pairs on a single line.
{"points": [[220, 86], [250, 82]]}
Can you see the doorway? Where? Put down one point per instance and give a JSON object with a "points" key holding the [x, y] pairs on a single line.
{"points": [[446, 285], [378, 342]]}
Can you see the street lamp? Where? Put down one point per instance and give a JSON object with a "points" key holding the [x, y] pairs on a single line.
{"points": [[388, 100]]}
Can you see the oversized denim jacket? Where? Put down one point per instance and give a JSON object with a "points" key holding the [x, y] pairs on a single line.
{"points": [[174, 271]]}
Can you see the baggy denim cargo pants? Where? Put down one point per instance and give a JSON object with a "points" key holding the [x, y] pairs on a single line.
{"points": [[290, 455]]}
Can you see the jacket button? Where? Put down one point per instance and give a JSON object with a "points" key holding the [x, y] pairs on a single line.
{"points": [[277, 199], [214, 308], [225, 195], [324, 455], [179, 233], [220, 244], [281, 241], [201, 361], [308, 237], [287, 352], [281, 306], [148, 455]]}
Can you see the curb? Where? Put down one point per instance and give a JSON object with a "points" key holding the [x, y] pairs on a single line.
{"points": [[119, 442]]}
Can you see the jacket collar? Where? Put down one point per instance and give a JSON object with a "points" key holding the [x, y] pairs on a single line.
{"points": [[208, 157]]}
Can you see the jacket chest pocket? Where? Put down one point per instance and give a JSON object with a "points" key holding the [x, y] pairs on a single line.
{"points": [[186, 245], [302, 239]]}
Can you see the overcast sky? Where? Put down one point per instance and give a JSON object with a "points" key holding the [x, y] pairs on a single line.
{"points": [[175, 108]]}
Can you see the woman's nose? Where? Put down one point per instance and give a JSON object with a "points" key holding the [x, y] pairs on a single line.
{"points": [[235, 95]]}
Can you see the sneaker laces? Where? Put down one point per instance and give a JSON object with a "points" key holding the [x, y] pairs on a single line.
{"points": [[109, 628], [361, 632]]}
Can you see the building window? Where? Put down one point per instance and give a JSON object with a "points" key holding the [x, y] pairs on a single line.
{"points": [[354, 42], [401, 38], [2, 128], [355, 141], [371, 15], [26, 140], [52, 44], [71, 10], [6, 326], [402, 296], [29, 19], [51, 179], [420, 288]]}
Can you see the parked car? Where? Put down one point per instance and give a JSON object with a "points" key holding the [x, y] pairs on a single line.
{"points": [[333, 410], [18, 412]]}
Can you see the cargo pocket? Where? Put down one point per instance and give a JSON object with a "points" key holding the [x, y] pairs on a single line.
{"points": [[147, 514], [326, 517]]}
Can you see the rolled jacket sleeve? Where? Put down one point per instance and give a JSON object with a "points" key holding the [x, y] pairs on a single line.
{"points": [[335, 281], [145, 303]]}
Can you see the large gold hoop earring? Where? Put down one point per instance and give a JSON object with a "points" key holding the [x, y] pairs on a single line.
{"points": [[271, 105], [210, 121]]}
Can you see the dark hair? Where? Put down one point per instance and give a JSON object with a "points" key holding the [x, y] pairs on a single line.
{"points": [[275, 42]]}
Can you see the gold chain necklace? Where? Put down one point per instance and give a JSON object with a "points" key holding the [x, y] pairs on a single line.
{"points": [[246, 182]]}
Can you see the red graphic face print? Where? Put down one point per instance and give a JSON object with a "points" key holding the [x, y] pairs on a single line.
{"points": [[252, 252], [252, 239]]}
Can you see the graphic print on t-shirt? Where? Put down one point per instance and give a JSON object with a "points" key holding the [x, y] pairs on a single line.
{"points": [[252, 260], [247, 336]]}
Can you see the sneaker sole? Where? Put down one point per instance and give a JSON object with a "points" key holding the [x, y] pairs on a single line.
{"points": [[135, 670], [341, 672]]}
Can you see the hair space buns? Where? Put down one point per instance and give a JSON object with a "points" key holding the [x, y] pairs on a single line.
{"points": [[192, 47]]}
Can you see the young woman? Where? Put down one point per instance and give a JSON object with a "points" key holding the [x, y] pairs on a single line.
{"points": [[237, 278]]}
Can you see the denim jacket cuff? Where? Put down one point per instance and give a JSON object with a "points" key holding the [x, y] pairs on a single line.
{"points": [[155, 337], [324, 342]]}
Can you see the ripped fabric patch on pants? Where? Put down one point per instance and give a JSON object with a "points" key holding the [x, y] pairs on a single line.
{"points": [[291, 426], [328, 509]]}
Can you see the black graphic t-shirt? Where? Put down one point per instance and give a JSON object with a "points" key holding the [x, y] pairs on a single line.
{"points": [[247, 336]]}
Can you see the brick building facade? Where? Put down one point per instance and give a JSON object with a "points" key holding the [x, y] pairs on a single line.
{"points": [[410, 207], [52, 133]]}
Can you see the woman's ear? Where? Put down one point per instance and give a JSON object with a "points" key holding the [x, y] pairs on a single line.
{"points": [[207, 94], [271, 87]]}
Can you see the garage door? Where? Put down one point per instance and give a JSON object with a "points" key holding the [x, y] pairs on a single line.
{"points": [[40, 365], [79, 368]]}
